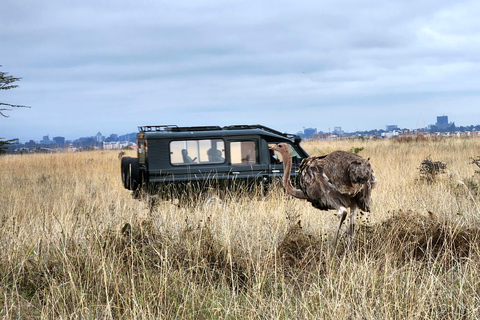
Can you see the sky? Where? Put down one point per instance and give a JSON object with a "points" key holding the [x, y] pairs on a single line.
{"points": [[113, 65]]}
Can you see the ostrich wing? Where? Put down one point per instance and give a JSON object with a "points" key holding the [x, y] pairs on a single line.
{"points": [[314, 184]]}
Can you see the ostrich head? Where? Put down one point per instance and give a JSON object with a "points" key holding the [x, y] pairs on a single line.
{"points": [[282, 148]]}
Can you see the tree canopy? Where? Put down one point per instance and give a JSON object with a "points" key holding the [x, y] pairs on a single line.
{"points": [[6, 83]]}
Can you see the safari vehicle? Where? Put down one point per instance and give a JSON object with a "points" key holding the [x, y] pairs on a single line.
{"points": [[175, 161]]}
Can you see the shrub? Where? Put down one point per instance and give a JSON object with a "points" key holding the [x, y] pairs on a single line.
{"points": [[429, 170], [355, 150]]}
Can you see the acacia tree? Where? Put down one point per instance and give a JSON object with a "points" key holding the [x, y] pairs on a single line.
{"points": [[6, 83]]}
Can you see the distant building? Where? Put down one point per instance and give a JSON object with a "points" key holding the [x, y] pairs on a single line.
{"points": [[389, 134], [308, 133], [113, 137], [99, 138], [391, 127], [30, 144], [45, 140], [337, 130], [442, 123], [84, 142], [132, 137], [59, 141], [116, 145]]}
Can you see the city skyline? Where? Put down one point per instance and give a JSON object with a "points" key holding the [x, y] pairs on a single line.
{"points": [[442, 122]]}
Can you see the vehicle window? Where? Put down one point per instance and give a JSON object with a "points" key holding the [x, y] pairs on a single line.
{"points": [[243, 152], [276, 157], [191, 152]]}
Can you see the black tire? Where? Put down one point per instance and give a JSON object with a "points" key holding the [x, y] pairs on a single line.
{"points": [[125, 169], [135, 176]]}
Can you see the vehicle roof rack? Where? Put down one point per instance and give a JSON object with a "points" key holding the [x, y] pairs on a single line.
{"points": [[175, 128], [156, 128], [255, 126], [293, 137]]}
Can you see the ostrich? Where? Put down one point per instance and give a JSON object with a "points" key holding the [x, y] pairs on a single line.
{"points": [[338, 181]]}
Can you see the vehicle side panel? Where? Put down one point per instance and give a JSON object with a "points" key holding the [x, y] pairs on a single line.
{"points": [[155, 161]]}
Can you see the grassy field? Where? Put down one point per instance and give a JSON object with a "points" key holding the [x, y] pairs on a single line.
{"points": [[74, 244]]}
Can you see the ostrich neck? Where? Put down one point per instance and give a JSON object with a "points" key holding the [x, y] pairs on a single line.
{"points": [[287, 170]]}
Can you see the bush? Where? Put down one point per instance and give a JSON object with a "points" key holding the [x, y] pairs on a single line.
{"points": [[429, 170], [355, 149]]}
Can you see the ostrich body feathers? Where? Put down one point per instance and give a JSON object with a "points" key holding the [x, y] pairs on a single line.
{"points": [[337, 179]]}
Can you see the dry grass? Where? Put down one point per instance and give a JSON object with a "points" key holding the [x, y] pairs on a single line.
{"points": [[75, 244]]}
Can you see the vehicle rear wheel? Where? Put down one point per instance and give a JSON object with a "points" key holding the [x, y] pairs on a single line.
{"points": [[134, 173], [125, 169]]}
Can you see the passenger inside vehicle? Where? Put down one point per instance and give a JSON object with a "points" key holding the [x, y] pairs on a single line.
{"points": [[186, 158]]}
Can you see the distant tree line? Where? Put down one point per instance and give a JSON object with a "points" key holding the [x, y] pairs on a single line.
{"points": [[454, 128]]}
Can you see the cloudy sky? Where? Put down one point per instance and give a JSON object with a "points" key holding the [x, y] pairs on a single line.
{"points": [[111, 65]]}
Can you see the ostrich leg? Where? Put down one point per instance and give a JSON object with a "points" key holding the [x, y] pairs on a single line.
{"points": [[351, 228], [342, 214]]}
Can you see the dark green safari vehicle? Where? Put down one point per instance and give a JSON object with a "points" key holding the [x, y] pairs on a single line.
{"points": [[175, 161]]}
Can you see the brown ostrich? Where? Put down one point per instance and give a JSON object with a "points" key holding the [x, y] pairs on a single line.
{"points": [[338, 181]]}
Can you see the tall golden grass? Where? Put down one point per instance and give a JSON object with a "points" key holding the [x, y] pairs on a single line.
{"points": [[75, 244]]}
